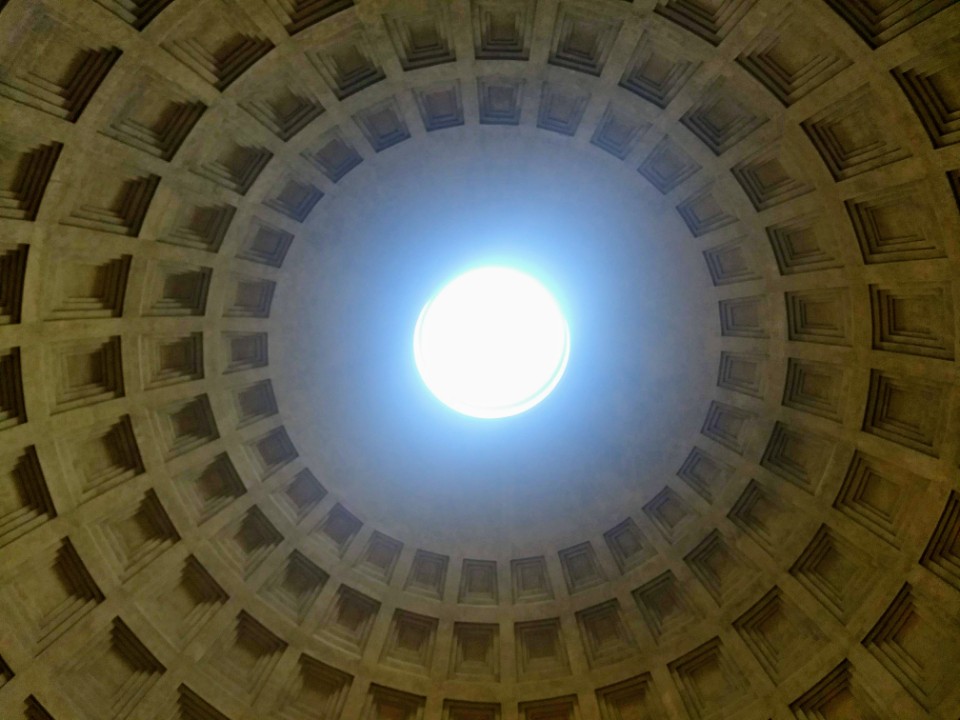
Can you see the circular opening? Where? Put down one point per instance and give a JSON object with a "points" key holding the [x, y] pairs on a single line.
{"points": [[492, 343]]}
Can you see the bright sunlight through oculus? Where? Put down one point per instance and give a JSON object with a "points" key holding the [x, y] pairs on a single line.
{"points": [[492, 343]]}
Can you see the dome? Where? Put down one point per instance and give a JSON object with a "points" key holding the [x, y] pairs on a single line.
{"points": [[227, 494]]}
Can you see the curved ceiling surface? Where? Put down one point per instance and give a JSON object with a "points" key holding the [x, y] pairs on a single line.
{"points": [[444, 205], [225, 493]]}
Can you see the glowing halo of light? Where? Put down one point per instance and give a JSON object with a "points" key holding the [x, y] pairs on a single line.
{"points": [[492, 343]]}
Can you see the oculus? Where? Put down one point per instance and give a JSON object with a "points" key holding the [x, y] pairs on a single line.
{"points": [[492, 343]]}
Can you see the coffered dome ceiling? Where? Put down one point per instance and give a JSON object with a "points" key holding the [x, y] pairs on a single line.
{"points": [[225, 493]]}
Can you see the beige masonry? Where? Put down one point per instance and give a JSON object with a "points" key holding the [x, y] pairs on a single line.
{"points": [[205, 514]]}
